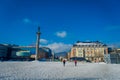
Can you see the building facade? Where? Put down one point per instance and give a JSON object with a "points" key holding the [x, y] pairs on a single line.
{"points": [[92, 51], [15, 52], [5, 51], [114, 55], [30, 52]]}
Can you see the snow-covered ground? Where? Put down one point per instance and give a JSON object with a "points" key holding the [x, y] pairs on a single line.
{"points": [[56, 71]]}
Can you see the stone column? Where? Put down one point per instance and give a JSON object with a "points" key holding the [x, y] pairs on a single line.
{"points": [[37, 43]]}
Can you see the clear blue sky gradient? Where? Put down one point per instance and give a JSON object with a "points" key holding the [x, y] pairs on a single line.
{"points": [[82, 20]]}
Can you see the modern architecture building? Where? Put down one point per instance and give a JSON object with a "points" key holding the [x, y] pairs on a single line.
{"points": [[29, 52], [114, 55], [5, 51], [16, 52]]}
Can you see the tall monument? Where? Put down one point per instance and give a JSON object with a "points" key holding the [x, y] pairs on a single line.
{"points": [[37, 43]]}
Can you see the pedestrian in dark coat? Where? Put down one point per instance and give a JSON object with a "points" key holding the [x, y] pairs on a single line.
{"points": [[75, 62], [64, 62]]}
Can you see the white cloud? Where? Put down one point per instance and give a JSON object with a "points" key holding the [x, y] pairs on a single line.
{"points": [[43, 41], [29, 21], [59, 47], [61, 34], [26, 20]]}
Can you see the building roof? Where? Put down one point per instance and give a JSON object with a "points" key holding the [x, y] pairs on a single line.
{"points": [[94, 43]]}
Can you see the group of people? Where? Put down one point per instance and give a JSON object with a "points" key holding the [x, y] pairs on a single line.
{"points": [[64, 61]]}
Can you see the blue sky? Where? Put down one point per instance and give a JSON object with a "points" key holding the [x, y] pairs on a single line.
{"points": [[62, 22]]}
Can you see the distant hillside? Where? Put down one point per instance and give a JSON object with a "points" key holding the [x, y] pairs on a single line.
{"points": [[63, 54]]}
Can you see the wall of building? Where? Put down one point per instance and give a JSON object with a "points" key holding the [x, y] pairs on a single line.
{"points": [[44, 52], [92, 51], [10, 51], [3, 51]]}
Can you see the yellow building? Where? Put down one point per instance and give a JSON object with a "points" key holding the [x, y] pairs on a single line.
{"points": [[92, 51]]}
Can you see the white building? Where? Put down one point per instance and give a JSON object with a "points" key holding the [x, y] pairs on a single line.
{"points": [[92, 51]]}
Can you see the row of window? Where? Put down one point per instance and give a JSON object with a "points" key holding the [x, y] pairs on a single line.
{"points": [[90, 55], [90, 48]]}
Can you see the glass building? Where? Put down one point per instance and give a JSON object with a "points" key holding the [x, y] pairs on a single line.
{"points": [[30, 51]]}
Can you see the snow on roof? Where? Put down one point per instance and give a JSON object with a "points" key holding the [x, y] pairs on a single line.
{"points": [[89, 43]]}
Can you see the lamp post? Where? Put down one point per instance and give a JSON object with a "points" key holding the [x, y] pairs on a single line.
{"points": [[37, 43]]}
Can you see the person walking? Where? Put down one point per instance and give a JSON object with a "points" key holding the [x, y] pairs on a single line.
{"points": [[64, 62], [75, 62]]}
